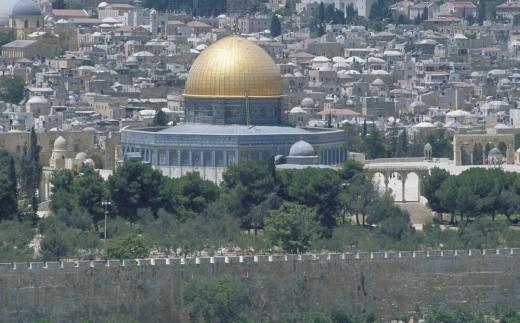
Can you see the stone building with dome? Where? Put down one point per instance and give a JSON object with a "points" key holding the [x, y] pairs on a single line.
{"points": [[234, 108], [26, 18]]}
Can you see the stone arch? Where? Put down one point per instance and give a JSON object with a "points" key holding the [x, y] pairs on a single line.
{"points": [[403, 172], [98, 161], [483, 139]]}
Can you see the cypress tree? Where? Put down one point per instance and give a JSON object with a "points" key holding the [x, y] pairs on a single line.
{"points": [[276, 26]]}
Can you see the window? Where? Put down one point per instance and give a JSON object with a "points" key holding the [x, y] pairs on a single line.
{"points": [[162, 157], [18, 148], [26, 24]]}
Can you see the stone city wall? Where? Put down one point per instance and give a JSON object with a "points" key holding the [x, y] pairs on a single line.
{"points": [[387, 283]]}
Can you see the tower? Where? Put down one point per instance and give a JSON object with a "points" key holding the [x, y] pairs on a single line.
{"points": [[153, 22]]}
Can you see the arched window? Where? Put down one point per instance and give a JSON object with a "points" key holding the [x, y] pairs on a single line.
{"points": [[26, 24]]}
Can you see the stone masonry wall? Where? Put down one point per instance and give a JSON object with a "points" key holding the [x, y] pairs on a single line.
{"points": [[388, 283]]}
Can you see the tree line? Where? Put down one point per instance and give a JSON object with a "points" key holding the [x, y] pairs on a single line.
{"points": [[255, 210], [474, 193], [396, 142]]}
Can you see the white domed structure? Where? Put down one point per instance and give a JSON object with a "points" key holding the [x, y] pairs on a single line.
{"points": [[298, 117], [57, 160], [297, 110], [301, 149], [37, 99], [102, 5], [60, 144], [89, 162], [308, 103], [82, 156], [418, 107], [302, 153], [425, 125], [26, 8], [378, 82]]}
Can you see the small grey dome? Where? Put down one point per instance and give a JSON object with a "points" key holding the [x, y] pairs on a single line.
{"points": [[301, 149], [378, 82], [495, 152], [26, 8], [308, 103], [81, 156], [60, 144], [427, 146]]}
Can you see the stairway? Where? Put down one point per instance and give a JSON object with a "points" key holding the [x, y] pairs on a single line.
{"points": [[419, 213]]}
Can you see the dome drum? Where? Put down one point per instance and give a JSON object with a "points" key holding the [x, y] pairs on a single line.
{"points": [[264, 111]]}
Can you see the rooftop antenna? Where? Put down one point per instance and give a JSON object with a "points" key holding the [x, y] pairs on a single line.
{"points": [[248, 121]]}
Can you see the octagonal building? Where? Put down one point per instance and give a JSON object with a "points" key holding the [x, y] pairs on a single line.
{"points": [[234, 112]]}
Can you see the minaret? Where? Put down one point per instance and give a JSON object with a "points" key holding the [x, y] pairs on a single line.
{"points": [[138, 10], [153, 22], [45, 7]]}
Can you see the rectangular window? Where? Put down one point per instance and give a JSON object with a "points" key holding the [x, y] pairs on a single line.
{"points": [[162, 157]]}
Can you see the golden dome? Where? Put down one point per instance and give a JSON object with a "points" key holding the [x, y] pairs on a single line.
{"points": [[234, 67]]}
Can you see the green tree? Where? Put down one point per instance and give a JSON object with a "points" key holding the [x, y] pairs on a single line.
{"points": [[189, 195], [341, 316], [12, 89], [31, 171], [351, 12], [90, 190], [359, 196], [293, 227], [447, 196], [276, 26], [246, 185], [329, 120], [431, 184], [55, 245], [14, 241], [314, 188], [402, 143], [8, 186], [222, 300], [59, 4], [136, 185], [508, 203], [129, 246], [373, 145], [424, 15], [8, 202], [256, 6], [516, 22], [321, 12], [481, 12], [350, 169], [354, 137], [160, 119], [470, 19], [5, 38]]}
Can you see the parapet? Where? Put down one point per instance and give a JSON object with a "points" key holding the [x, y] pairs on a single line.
{"points": [[429, 255]]}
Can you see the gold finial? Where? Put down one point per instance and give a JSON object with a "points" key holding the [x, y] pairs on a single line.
{"points": [[235, 31]]}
